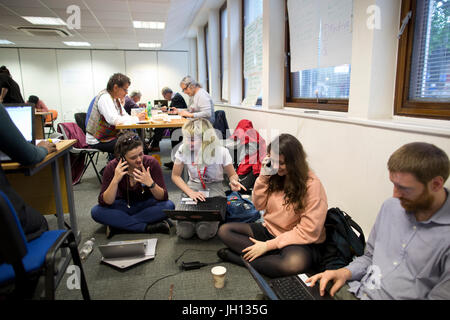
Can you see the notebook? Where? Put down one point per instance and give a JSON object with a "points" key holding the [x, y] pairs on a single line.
{"points": [[286, 288], [124, 254], [213, 209], [21, 115]]}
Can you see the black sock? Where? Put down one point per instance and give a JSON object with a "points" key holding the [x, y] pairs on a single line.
{"points": [[158, 227]]}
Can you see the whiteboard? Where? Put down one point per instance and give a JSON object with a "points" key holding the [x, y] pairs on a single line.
{"points": [[104, 64], [172, 67], [75, 80], [141, 67]]}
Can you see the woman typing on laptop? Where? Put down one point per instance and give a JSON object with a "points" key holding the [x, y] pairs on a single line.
{"points": [[206, 161], [295, 207], [133, 194]]}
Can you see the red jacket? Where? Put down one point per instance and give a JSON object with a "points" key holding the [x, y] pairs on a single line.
{"points": [[246, 134]]}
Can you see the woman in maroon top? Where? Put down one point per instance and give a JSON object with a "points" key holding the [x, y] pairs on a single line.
{"points": [[133, 194]]}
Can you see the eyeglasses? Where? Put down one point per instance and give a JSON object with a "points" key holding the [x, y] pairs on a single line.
{"points": [[185, 88], [126, 90]]}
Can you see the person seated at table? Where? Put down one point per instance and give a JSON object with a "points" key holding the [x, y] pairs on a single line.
{"points": [[206, 161], [39, 105], [295, 204], [107, 112], [131, 101], [176, 102], [202, 105], [13, 144], [133, 193]]}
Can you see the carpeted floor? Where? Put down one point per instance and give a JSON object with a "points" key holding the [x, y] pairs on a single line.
{"points": [[152, 279]]}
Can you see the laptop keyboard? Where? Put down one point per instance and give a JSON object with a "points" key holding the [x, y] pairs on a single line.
{"points": [[289, 289], [211, 204]]}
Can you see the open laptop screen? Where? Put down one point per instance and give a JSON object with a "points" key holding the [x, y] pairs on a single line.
{"points": [[22, 117]]}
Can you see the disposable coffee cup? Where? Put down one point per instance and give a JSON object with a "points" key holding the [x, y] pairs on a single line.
{"points": [[218, 274]]}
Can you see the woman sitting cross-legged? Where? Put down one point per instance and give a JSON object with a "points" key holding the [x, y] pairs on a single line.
{"points": [[206, 161], [295, 204], [133, 194]]}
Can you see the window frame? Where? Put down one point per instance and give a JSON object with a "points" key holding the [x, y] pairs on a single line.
{"points": [[205, 35], [403, 106], [224, 7], [340, 105]]}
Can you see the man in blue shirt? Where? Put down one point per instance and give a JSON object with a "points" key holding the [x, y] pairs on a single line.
{"points": [[407, 255]]}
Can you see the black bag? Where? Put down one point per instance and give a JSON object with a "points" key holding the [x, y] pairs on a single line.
{"points": [[342, 243]]}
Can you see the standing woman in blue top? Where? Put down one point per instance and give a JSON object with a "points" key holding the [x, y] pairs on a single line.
{"points": [[206, 161]]}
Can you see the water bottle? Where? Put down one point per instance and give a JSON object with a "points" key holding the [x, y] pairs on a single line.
{"points": [[86, 249], [149, 109]]}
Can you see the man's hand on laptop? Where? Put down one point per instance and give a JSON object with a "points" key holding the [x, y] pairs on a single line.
{"points": [[50, 146], [338, 277]]}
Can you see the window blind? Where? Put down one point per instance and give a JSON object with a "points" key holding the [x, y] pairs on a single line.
{"points": [[430, 67]]}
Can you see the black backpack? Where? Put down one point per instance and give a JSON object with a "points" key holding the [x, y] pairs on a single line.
{"points": [[342, 243]]}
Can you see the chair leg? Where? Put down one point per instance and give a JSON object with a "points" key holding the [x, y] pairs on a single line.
{"points": [[77, 261], [91, 160]]}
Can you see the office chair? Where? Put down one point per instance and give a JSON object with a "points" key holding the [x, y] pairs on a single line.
{"points": [[21, 262], [50, 121], [80, 119], [80, 150]]}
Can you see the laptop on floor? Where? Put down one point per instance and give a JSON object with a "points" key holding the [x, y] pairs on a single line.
{"points": [[21, 115], [286, 288], [213, 209], [124, 254]]}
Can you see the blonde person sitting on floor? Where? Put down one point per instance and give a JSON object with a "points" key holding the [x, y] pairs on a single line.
{"points": [[206, 161]]}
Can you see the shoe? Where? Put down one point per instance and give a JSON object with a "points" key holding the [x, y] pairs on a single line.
{"points": [[109, 232], [158, 227], [223, 254], [169, 165]]}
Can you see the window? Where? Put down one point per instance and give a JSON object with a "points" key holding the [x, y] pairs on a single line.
{"points": [[252, 11], [316, 79], [423, 67], [224, 52], [206, 57]]}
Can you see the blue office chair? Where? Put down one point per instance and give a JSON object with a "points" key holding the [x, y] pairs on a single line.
{"points": [[22, 262]]}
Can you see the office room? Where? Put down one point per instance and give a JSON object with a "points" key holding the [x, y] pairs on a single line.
{"points": [[349, 82]]}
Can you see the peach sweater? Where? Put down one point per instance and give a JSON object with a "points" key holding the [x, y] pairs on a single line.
{"points": [[290, 227]]}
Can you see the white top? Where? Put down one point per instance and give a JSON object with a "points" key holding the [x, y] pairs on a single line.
{"points": [[214, 168], [107, 108], [202, 105]]}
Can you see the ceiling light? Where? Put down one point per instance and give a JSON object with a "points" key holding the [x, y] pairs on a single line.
{"points": [[77, 44], [149, 24], [4, 41], [149, 45], [45, 21]]}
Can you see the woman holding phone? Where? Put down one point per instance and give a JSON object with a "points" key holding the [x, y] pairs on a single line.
{"points": [[133, 194], [295, 204]]}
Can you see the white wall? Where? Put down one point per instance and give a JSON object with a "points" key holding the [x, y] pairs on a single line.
{"points": [[347, 151], [67, 80]]}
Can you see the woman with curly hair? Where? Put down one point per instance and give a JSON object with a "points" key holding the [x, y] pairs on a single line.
{"points": [[295, 205]]}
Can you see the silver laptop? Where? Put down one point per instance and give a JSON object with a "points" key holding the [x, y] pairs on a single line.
{"points": [[21, 115], [124, 250]]}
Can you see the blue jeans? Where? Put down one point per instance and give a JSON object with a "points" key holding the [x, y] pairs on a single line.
{"points": [[133, 219]]}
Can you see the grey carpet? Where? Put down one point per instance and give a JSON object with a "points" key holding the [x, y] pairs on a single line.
{"points": [[150, 278]]}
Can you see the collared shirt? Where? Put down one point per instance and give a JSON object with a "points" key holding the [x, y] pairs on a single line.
{"points": [[202, 105], [404, 258]]}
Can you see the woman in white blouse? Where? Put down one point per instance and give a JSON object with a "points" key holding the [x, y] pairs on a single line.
{"points": [[206, 161]]}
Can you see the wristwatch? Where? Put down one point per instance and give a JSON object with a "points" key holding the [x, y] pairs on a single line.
{"points": [[152, 185]]}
